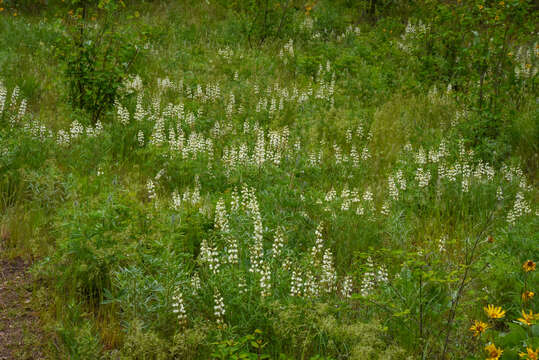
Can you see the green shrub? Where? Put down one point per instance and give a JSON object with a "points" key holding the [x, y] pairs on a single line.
{"points": [[96, 56]]}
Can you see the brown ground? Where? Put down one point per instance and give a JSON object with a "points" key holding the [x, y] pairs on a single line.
{"points": [[20, 334]]}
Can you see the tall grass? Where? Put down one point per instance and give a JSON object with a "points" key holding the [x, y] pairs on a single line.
{"points": [[311, 193]]}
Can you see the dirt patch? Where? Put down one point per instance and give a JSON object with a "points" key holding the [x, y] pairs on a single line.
{"points": [[20, 334]]}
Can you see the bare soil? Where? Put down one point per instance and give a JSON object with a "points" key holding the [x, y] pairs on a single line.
{"points": [[20, 333]]}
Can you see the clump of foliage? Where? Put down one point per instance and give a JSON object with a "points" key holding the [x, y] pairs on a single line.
{"points": [[97, 57], [277, 179]]}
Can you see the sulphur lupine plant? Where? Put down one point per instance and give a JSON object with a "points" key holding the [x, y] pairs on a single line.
{"points": [[243, 254], [307, 200]]}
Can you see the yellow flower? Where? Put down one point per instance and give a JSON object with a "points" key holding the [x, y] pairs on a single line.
{"points": [[480, 7], [478, 327], [530, 354], [528, 266], [494, 312], [493, 353], [527, 295], [502, 3], [528, 319]]}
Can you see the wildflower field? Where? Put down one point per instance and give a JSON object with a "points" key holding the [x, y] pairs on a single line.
{"points": [[269, 179]]}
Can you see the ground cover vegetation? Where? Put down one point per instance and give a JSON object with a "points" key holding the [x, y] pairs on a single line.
{"points": [[273, 179]]}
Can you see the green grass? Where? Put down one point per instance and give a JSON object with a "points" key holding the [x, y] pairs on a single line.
{"points": [[351, 114]]}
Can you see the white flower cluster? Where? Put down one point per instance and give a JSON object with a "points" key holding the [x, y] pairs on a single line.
{"points": [[401, 180], [178, 308], [511, 173], [422, 177], [296, 284], [209, 256], [122, 112], [22, 110], [288, 50], [278, 143], [195, 282], [221, 224], [76, 130], [413, 31], [317, 249], [373, 277], [499, 193], [140, 113], [278, 243], [311, 288], [347, 287], [38, 130], [176, 200], [421, 157], [226, 53], [63, 138], [94, 131], [265, 281], [3, 96], [365, 154], [221, 220], [158, 134], [219, 307], [232, 250], [328, 280], [14, 97], [320, 277], [242, 285], [354, 156], [386, 208], [392, 187], [132, 84], [189, 196], [150, 187], [484, 172], [16, 113], [350, 30], [520, 207], [256, 250], [346, 200]]}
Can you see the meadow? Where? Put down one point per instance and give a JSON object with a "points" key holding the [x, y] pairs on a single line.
{"points": [[272, 179]]}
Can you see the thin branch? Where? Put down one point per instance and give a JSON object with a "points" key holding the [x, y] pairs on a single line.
{"points": [[456, 300]]}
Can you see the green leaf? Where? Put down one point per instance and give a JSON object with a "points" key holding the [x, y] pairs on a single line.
{"points": [[535, 330], [514, 337]]}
